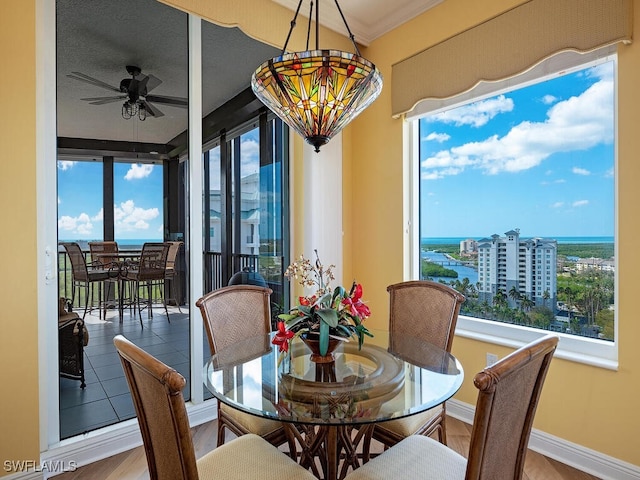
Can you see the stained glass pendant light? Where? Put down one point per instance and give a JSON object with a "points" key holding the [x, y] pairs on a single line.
{"points": [[317, 92]]}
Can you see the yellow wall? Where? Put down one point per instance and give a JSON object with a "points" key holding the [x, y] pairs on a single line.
{"points": [[18, 280], [589, 406]]}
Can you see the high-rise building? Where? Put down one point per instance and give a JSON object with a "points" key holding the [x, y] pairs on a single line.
{"points": [[526, 264]]}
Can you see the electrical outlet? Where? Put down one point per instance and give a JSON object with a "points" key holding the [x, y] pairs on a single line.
{"points": [[491, 359]]}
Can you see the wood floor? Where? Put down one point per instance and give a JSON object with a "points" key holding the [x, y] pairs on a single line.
{"points": [[132, 465]]}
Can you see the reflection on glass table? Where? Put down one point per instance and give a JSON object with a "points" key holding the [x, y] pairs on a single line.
{"points": [[331, 408]]}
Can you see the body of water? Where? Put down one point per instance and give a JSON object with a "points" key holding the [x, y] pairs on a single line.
{"points": [[468, 272], [457, 240]]}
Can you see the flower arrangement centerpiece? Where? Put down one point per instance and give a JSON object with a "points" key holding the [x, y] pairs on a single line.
{"points": [[328, 314]]}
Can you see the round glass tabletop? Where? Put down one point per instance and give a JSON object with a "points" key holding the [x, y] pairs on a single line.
{"points": [[389, 377]]}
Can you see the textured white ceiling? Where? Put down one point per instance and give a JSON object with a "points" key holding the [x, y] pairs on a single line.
{"points": [[100, 38]]}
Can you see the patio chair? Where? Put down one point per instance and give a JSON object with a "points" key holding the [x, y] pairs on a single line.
{"points": [[171, 272], [231, 314], [105, 255], [148, 273], [508, 394], [86, 276], [427, 310], [156, 391]]}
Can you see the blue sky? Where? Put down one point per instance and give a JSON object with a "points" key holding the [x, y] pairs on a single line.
{"points": [[540, 159], [137, 195]]}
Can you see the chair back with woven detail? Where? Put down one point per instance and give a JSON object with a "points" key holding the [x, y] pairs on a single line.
{"points": [[153, 261], [508, 394], [424, 309], [233, 313], [103, 253], [78, 261], [156, 390]]}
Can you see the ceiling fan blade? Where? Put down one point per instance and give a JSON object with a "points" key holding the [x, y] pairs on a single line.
{"points": [[165, 100], [93, 81], [103, 100], [153, 111], [152, 82]]}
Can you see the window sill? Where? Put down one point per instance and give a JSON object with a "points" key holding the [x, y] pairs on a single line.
{"points": [[589, 351]]}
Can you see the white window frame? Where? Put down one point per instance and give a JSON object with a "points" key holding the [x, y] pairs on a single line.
{"points": [[590, 351]]}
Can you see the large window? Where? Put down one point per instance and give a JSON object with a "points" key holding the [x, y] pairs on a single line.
{"points": [[517, 203], [246, 172]]}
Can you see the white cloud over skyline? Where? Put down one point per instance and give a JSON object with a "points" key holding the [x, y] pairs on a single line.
{"points": [[580, 171], [128, 218], [475, 114], [577, 123]]}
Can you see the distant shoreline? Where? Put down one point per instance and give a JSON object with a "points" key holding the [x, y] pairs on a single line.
{"points": [[564, 240]]}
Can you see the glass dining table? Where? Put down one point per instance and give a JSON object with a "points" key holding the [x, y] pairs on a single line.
{"points": [[330, 409]]}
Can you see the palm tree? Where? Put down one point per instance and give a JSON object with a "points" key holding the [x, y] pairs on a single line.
{"points": [[527, 303], [514, 294], [545, 296]]}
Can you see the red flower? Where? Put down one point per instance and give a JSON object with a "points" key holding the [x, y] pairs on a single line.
{"points": [[355, 305], [307, 301], [282, 337]]}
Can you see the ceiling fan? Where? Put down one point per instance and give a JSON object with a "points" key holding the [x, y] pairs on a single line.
{"points": [[135, 93]]}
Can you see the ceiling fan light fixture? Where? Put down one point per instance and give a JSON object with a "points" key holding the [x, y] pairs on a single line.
{"points": [[317, 92]]}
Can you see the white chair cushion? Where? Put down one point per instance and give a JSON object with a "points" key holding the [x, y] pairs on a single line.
{"points": [[409, 425], [249, 457], [415, 457]]}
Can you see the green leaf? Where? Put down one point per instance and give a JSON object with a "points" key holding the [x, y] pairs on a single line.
{"points": [[294, 321], [329, 316], [344, 330], [286, 317], [324, 338]]}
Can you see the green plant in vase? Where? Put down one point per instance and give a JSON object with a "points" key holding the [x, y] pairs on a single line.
{"points": [[327, 313]]}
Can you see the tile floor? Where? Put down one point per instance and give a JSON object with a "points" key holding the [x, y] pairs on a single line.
{"points": [[106, 399]]}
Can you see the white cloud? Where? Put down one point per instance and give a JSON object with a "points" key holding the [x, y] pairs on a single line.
{"points": [[580, 203], [65, 164], [130, 218], [476, 114], [577, 123], [80, 225], [437, 137], [138, 171], [557, 205], [609, 173], [580, 171], [250, 158], [549, 99]]}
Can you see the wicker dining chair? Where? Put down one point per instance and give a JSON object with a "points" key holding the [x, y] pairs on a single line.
{"points": [[508, 394], [426, 310], [231, 314], [86, 276], [156, 391], [148, 273]]}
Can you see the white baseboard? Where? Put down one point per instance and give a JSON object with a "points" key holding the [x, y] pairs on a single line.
{"points": [[574, 455], [103, 443]]}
